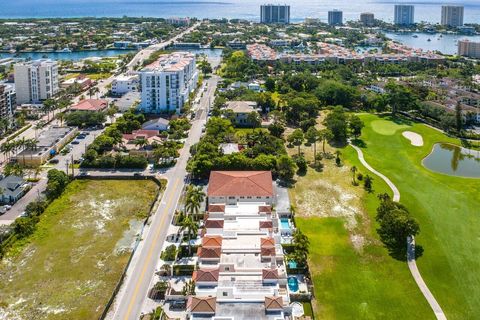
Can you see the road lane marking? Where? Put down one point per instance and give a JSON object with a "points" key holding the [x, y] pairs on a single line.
{"points": [[150, 251]]}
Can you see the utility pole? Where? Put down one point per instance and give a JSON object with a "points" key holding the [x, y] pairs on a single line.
{"points": [[73, 168]]}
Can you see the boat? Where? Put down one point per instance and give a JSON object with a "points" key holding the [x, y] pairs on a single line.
{"points": [[66, 50], [429, 39], [415, 36]]}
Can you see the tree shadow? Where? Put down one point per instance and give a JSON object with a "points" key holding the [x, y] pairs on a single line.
{"points": [[400, 253], [359, 143]]}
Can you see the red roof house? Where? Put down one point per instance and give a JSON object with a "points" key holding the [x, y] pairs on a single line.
{"points": [[94, 105], [240, 183]]}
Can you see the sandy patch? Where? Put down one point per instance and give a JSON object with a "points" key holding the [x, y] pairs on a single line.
{"points": [[415, 139]]}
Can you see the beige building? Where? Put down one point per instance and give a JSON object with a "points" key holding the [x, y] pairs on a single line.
{"points": [[469, 48], [452, 16], [50, 142], [242, 110], [36, 81]]}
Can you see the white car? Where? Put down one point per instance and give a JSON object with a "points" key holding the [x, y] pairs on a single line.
{"points": [[23, 214]]}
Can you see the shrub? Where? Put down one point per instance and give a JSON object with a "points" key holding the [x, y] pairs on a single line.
{"points": [[169, 253]]}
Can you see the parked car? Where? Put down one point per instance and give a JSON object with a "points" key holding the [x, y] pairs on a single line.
{"points": [[137, 174], [24, 214], [8, 207], [75, 142], [3, 210], [54, 161], [79, 137]]}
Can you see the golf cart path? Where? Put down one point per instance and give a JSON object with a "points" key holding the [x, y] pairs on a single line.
{"points": [[412, 264]]}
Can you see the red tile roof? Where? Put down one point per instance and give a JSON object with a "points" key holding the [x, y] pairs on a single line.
{"points": [[90, 105], [266, 224], [206, 275], [212, 241], [266, 209], [270, 274], [212, 223], [267, 252], [140, 134], [273, 303], [216, 208], [240, 183], [209, 253], [202, 305], [267, 242]]}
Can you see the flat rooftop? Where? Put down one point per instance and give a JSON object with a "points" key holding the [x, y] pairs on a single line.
{"points": [[244, 311], [173, 62], [48, 139]]}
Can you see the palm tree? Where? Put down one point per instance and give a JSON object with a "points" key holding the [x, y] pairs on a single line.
{"points": [[60, 117], [4, 124], [92, 91], [325, 135], [32, 145], [312, 137], [354, 172], [194, 199], [191, 228], [141, 142]]}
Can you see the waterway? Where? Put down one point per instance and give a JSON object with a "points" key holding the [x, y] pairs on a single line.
{"points": [[445, 43], [80, 55], [453, 160], [75, 56]]}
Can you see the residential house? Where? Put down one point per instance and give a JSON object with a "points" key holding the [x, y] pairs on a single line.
{"points": [[12, 188], [242, 110], [158, 124], [92, 105]]}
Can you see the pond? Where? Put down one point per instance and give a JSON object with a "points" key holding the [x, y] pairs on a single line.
{"points": [[453, 160]]}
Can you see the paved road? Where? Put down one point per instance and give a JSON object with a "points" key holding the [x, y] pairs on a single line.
{"points": [[131, 297], [145, 53], [412, 263]]}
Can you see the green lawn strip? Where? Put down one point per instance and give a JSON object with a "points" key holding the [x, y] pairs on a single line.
{"points": [[350, 284], [446, 208], [69, 267]]}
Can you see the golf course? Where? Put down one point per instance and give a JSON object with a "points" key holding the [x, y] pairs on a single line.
{"points": [[446, 207]]}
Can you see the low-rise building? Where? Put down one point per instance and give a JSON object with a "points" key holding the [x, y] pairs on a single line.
{"points": [[12, 188], [231, 187], [92, 105], [242, 110], [124, 84], [241, 270], [50, 142], [159, 124], [82, 81]]}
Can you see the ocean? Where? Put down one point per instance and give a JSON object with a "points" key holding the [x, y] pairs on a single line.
{"points": [[425, 10]]}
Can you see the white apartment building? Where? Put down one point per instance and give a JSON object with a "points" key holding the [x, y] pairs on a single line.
{"points": [[167, 83], [404, 14], [468, 48], [36, 81], [452, 16], [124, 84], [7, 102]]}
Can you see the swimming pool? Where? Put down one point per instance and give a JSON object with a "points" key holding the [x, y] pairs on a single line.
{"points": [[293, 284], [284, 224]]}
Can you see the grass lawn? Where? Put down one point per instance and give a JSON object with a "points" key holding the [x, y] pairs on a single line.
{"points": [[69, 267], [98, 76], [353, 275], [446, 207]]}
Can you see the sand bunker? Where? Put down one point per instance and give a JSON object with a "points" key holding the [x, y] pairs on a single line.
{"points": [[415, 139]]}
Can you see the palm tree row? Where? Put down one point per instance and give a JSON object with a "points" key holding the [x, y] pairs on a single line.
{"points": [[13, 147]]}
